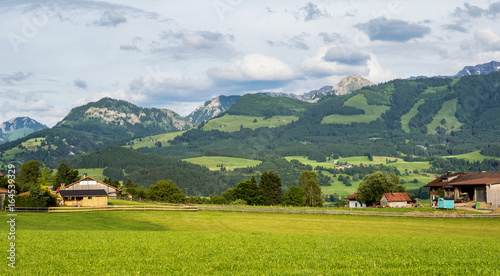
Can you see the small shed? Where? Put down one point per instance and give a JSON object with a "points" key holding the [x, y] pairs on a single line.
{"points": [[353, 203], [395, 200], [89, 198]]}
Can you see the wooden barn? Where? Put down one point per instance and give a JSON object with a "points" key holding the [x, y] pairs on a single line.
{"points": [[353, 203], [89, 183], [477, 186], [395, 200], [90, 198], [87, 192]]}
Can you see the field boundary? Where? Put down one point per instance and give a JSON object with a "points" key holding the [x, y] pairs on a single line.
{"points": [[342, 212], [70, 209]]}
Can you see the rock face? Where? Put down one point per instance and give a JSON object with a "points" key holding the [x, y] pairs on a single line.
{"points": [[480, 69], [212, 108], [117, 113], [18, 127]]}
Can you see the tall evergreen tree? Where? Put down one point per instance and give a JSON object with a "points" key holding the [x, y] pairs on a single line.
{"points": [[65, 175], [270, 188], [248, 190]]}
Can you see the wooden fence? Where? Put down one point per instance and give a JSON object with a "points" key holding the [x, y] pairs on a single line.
{"points": [[70, 209], [343, 212]]}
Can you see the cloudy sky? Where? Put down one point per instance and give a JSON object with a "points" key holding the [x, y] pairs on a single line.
{"points": [[57, 54]]}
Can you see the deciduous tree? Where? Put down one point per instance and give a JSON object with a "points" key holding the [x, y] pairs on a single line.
{"points": [[374, 185], [166, 191], [310, 183], [294, 196]]}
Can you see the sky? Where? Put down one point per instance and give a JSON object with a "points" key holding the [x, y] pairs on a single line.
{"points": [[56, 55]]}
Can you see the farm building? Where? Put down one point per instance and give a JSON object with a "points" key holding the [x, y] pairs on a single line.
{"points": [[3, 194], [89, 183], [395, 200], [477, 186], [87, 192], [84, 197], [353, 203]]}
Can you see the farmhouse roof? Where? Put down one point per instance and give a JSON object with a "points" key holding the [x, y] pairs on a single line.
{"points": [[456, 179], [68, 193], [1, 174], [353, 196], [25, 193], [2, 191], [88, 177], [397, 197]]}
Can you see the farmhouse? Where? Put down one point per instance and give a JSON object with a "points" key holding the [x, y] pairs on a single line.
{"points": [[395, 200], [476, 186], [353, 203], [87, 192]]}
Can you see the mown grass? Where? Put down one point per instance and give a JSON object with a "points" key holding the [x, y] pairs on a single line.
{"points": [[472, 156], [447, 112], [230, 163], [216, 243], [231, 123], [372, 112], [150, 141], [405, 119]]}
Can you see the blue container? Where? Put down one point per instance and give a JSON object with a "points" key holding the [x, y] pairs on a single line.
{"points": [[445, 204]]}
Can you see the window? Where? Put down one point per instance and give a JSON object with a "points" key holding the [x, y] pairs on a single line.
{"points": [[90, 197]]}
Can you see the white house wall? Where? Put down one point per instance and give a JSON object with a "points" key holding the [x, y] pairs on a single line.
{"points": [[493, 195]]}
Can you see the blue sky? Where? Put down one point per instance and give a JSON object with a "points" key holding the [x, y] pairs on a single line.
{"points": [[56, 54]]}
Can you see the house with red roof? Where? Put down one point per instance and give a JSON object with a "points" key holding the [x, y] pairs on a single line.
{"points": [[395, 200], [353, 203], [475, 186]]}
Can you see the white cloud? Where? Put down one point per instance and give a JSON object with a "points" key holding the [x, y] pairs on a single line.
{"points": [[39, 105], [317, 66], [254, 67], [489, 40], [377, 73]]}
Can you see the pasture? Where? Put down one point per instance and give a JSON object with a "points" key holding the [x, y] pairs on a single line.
{"points": [[230, 163], [150, 141], [220, 243], [231, 123], [472, 156], [372, 112]]}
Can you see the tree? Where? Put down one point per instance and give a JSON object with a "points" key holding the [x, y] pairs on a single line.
{"points": [[248, 190], [166, 191], [229, 195], [374, 185], [270, 188], [65, 175], [46, 177], [28, 175], [310, 183], [294, 196]]}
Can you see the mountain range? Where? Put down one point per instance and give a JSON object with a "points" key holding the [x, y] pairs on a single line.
{"points": [[19, 127], [422, 117]]}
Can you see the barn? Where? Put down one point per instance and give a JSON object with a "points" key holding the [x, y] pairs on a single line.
{"points": [[353, 203], [475, 186], [395, 200], [87, 192]]}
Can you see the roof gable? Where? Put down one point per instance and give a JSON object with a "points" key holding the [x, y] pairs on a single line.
{"points": [[68, 193], [92, 179], [397, 197], [352, 197]]}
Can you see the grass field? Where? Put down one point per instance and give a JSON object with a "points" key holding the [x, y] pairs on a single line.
{"points": [[216, 243], [230, 163], [150, 141], [94, 173], [472, 156], [231, 123], [447, 113], [372, 112], [405, 119]]}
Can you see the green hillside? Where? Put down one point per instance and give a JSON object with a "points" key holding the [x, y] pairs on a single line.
{"points": [[405, 119], [231, 123], [445, 119], [371, 112], [230, 163], [267, 106]]}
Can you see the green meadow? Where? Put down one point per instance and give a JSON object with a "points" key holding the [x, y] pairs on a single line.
{"points": [[405, 119], [472, 156], [372, 112], [231, 123], [150, 141], [230, 163], [445, 118], [221, 243]]}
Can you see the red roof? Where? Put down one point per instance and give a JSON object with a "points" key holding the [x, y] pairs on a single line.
{"points": [[2, 191], [353, 196], [1, 174], [481, 181], [25, 193], [397, 197]]}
